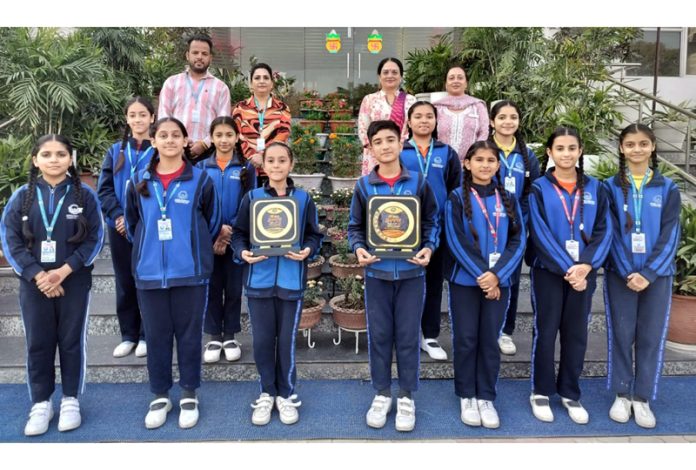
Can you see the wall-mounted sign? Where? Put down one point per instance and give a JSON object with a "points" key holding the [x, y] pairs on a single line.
{"points": [[374, 42], [333, 42]]}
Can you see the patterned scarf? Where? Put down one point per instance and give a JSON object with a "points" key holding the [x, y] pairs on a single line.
{"points": [[398, 110]]}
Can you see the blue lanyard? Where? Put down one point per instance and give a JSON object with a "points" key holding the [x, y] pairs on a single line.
{"points": [[139, 159], [638, 197], [425, 169], [262, 115], [509, 166], [163, 205], [197, 94], [42, 208]]}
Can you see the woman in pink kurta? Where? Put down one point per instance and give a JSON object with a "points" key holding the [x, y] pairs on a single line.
{"points": [[389, 103], [461, 119]]}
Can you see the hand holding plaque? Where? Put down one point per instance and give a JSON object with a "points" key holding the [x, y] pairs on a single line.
{"points": [[393, 226]]}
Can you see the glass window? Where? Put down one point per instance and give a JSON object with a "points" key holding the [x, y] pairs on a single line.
{"points": [[643, 52], [691, 52]]}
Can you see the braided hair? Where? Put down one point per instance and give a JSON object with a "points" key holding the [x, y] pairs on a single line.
{"points": [[519, 138], [467, 182], [580, 185], [30, 193], [237, 152], [623, 170], [127, 131], [410, 112], [141, 187]]}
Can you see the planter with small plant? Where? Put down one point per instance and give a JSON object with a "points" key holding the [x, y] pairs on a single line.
{"points": [[312, 305], [348, 309], [304, 148], [344, 263], [346, 162], [682, 319]]}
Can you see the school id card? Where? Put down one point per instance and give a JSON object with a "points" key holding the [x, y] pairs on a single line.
{"points": [[638, 243], [164, 229], [48, 251]]}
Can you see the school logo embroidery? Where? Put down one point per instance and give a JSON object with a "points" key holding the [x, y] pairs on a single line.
{"points": [[408, 192], [234, 175], [182, 198], [656, 202], [74, 212], [437, 163], [587, 199], [519, 166]]}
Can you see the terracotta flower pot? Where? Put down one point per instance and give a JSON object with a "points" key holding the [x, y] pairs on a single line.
{"points": [[311, 316], [682, 320], [348, 318], [343, 270], [314, 268], [334, 125]]}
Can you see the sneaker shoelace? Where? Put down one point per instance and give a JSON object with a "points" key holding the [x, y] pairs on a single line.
{"points": [[484, 405]]}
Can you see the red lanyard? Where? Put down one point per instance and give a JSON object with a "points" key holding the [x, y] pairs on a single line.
{"points": [[576, 203], [494, 231]]}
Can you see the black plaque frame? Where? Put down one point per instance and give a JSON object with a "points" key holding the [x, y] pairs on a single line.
{"points": [[405, 243], [263, 239]]}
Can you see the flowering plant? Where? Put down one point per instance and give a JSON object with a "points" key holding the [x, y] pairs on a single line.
{"points": [[313, 294], [342, 197], [346, 155]]}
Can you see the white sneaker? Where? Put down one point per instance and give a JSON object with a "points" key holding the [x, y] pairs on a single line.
{"points": [[576, 411], [379, 409], [507, 345], [188, 418], [124, 349], [540, 408], [263, 407], [287, 409], [620, 411], [141, 349], [489, 416], [70, 417], [643, 415], [157, 417], [40, 415], [469, 411], [212, 352], [232, 350], [405, 414], [433, 348]]}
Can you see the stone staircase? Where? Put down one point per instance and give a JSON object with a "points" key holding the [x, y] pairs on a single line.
{"points": [[325, 361]]}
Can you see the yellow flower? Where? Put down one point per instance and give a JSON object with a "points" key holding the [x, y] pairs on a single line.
{"points": [[311, 141], [332, 136]]}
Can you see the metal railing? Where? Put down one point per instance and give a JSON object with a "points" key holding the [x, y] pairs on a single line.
{"points": [[643, 104]]}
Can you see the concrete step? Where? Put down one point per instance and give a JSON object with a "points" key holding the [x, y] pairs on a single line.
{"points": [[324, 361], [103, 320]]}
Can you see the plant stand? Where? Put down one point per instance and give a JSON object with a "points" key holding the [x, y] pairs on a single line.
{"points": [[307, 333], [336, 342]]}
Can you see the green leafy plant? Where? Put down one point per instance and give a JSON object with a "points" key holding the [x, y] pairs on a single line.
{"points": [[685, 277], [354, 291], [91, 144], [341, 117], [342, 197], [426, 69], [346, 156], [14, 165], [304, 148], [314, 115]]}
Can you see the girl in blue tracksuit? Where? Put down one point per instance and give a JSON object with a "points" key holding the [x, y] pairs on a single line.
{"points": [[645, 207], [440, 165], [570, 231], [274, 288], [52, 231], [172, 216], [233, 177], [485, 239], [126, 157], [394, 288], [520, 167]]}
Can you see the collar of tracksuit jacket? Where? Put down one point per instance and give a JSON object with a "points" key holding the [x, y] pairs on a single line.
{"points": [[211, 161], [374, 178], [657, 179], [185, 176], [407, 145], [290, 189]]}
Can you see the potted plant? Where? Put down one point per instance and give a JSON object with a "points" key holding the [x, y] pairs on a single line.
{"points": [[341, 199], [348, 309], [682, 318], [343, 122], [426, 71], [309, 99], [670, 126], [629, 106], [314, 267], [344, 263], [91, 144], [338, 106], [313, 303], [304, 148], [346, 161]]}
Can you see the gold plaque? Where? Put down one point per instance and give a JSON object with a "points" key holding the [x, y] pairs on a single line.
{"points": [[393, 228], [274, 226]]}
